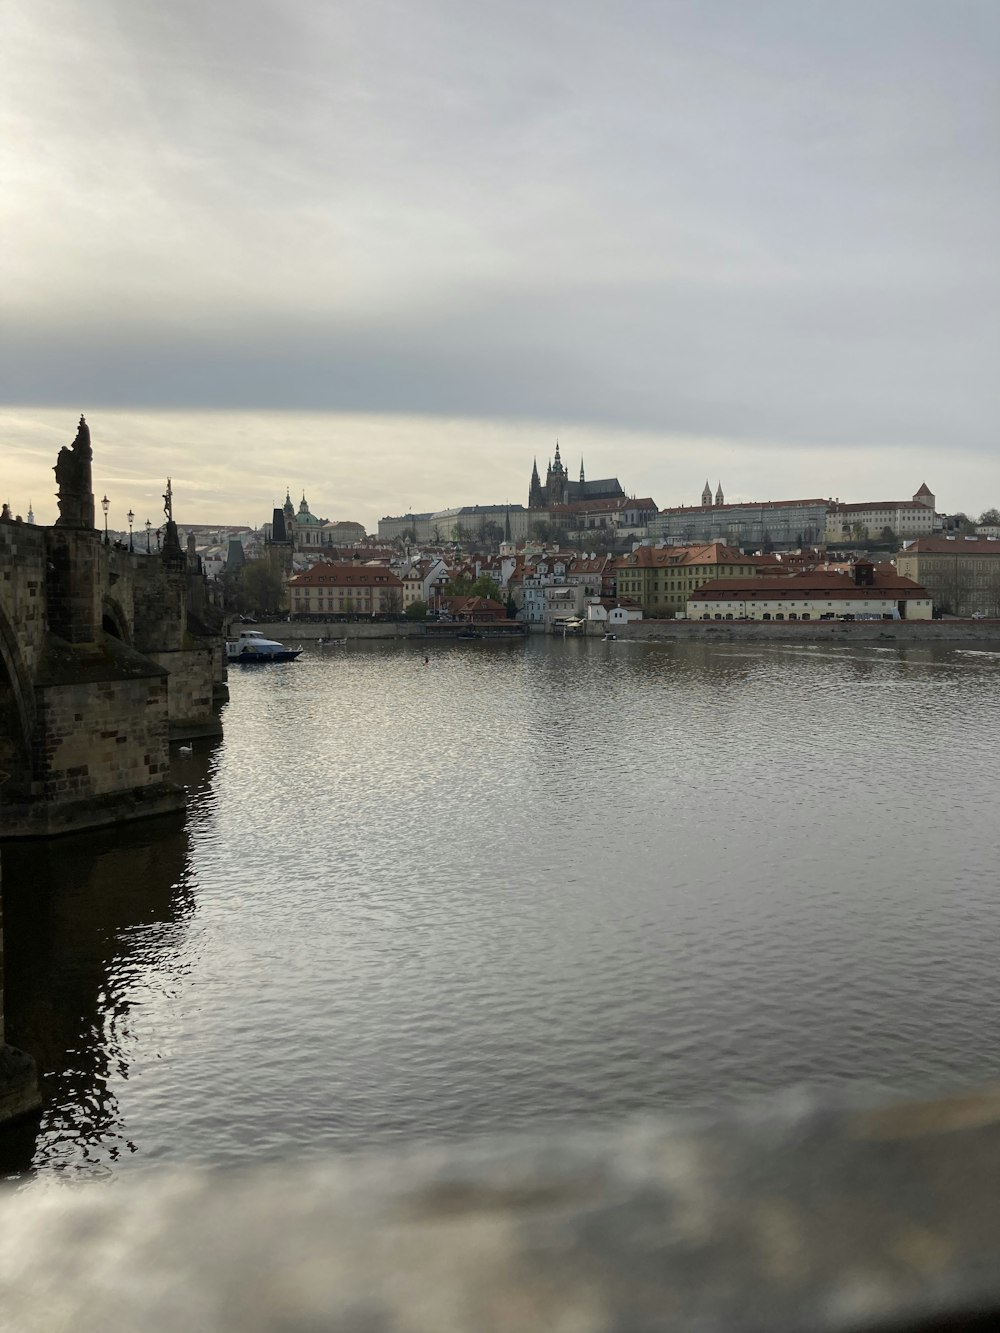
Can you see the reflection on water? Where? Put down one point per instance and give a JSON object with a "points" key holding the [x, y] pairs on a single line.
{"points": [[525, 883], [86, 918]]}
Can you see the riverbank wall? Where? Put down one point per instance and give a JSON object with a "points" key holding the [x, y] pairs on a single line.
{"points": [[293, 633], [945, 632]]}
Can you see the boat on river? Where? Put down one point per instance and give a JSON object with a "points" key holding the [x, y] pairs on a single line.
{"points": [[251, 648]]}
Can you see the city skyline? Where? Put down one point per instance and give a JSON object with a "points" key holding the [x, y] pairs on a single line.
{"points": [[196, 450], [406, 250]]}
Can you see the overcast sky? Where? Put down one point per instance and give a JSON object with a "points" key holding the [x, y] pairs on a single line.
{"points": [[386, 252]]}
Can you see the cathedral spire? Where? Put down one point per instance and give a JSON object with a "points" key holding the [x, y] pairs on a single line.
{"points": [[582, 477], [706, 495], [536, 496], [719, 497]]}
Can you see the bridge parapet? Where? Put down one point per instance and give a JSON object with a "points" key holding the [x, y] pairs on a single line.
{"points": [[792, 1216]]}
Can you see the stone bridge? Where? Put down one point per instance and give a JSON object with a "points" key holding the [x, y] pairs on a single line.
{"points": [[106, 655]]}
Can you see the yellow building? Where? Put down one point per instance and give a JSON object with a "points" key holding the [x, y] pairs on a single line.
{"points": [[660, 579]]}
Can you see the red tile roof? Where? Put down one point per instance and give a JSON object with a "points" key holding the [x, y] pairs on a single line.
{"points": [[669, 557], [347, 575], [813, 584], [878, 504], [749, 504], [953, 546]]}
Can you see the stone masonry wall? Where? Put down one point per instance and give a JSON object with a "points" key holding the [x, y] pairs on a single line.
{"points": [[85, 714], [22, 574], [159, 601], [190, 698], [74, 581], [824, 631], [97, 738]]}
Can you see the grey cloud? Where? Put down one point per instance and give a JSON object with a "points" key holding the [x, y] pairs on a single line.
{"points": [[862, 364], [759, 221]]}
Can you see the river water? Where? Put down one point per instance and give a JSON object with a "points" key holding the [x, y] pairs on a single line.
{"points": [[525, 884]]}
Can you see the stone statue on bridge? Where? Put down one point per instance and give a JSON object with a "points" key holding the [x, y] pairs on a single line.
{"points": [[75, 494]]}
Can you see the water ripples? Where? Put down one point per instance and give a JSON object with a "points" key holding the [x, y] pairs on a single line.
{"points": [[545, 882]]}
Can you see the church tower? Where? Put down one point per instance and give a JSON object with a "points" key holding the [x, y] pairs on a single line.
{"points": [[706, 495], [556, 488], [720, 499], [536, 496], [583, 479]]}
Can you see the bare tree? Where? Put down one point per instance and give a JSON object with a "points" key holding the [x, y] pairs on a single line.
{"points": [[492, 533]]}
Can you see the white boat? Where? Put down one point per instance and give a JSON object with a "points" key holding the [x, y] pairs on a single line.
{"points": [[251, 647]]}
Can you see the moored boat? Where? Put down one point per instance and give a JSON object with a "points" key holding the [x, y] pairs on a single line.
{"points": [[251, 647]]}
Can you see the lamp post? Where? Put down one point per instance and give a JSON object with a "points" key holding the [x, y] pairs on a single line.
{"points": [[131, 519], [105, 503], [148, 526]]}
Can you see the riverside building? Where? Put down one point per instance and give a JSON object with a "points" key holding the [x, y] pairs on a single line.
{"points": [[962, 574], [868, 591], [660, 579], [345, 589]]}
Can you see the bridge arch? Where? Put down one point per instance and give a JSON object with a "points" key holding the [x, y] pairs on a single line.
{"points": [[114, 621], [17, 715]]}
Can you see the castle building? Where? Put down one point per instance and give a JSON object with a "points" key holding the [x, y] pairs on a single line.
{"points": [[559, 490], [764, 524], [872, 518]]}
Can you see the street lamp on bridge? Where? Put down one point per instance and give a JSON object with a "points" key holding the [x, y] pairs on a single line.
{"points": [[105, 503], [148, 547], [131, 519]]}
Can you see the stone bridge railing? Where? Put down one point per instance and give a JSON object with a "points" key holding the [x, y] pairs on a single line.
{"points": [[788, 1216]]}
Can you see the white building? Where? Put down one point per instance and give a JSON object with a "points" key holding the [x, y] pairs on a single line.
{"points": [[869, 592], [868, 520], [536, 579]]}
